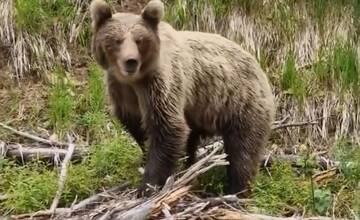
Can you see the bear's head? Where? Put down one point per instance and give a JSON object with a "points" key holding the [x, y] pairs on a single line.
{"points": [[125, 44]]}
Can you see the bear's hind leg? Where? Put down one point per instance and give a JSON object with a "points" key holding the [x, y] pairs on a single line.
{"points": [[243, 145], [191, 147]]}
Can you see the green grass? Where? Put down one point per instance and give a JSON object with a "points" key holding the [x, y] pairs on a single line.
{"points": [[274, 194], [345, 66], [62, 103], [349, 156], [96, 91], [116, 160], [338, 69], [113, 157], [29, 15], [32, 187], [214, 181], [38, 16], [94, 115], [285, 190], [182, 12], [292, 82]]}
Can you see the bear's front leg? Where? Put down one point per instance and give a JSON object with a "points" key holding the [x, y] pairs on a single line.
{"points": [[166, 129], [167, 138]]}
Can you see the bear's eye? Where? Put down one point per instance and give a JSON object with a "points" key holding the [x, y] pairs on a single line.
{"points": [[139, 40], [118, 41]]}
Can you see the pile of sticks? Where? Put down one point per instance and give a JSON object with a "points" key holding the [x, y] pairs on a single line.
{"points": [[174, 201]]}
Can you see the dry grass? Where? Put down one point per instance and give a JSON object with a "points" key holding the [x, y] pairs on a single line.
{"points": [[7, 33], [35, 51], [273, 32]]}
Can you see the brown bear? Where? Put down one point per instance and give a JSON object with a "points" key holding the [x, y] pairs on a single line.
{"points": [[169, 88]]}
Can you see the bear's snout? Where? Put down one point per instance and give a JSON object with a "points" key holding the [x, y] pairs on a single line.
{"points": [[131, 65]]}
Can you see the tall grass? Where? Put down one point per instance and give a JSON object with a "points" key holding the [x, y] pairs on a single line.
{"points": [[62, 103], [292, 81], [338, 68], [345, 66], [94, 115], [38, 16]]}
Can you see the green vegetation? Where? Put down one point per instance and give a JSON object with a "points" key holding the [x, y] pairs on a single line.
{"points": [[213, 181], [349, 157], [345, 66], [38, 16], [283, 189], [61, 103], [292, 81], [32, 187], [112, 160], [93, 105]]}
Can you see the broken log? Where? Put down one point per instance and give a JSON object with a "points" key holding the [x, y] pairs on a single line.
{"points": [[33, 152]]}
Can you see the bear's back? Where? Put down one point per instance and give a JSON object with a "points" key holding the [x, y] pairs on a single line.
{"points": [[218, 75]]}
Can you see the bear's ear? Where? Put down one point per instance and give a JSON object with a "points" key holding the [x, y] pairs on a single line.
{"points": [[100, 11], [153, 12]]}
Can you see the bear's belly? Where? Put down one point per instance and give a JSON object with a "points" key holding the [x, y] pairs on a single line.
{"points": [[203, 120]]}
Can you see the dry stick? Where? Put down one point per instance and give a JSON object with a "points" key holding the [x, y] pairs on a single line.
{"points": [[214, 201], [295, 159], [295, 124], [63, 173], [33, 137], [227, 214], [199, 206], [97, 197], [41, 213], [34, 152]]}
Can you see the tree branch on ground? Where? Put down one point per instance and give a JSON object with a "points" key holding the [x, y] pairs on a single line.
{"points": [[34, 137], [33, 152], [63, 175]]}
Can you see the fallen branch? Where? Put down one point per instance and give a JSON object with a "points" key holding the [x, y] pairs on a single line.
{"points": [[27, 153], [97, 197], [63, 175], [296, 160], [295, 124], [33, 137], [222, 214]]}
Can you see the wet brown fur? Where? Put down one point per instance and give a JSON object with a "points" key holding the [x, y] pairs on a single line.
{"points": [[189, 84]]}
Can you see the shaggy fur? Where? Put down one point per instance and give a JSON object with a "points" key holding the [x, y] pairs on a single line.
{"points": [[170, 87]]}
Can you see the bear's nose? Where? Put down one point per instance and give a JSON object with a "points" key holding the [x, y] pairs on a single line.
{"points": [[131, 65]]}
